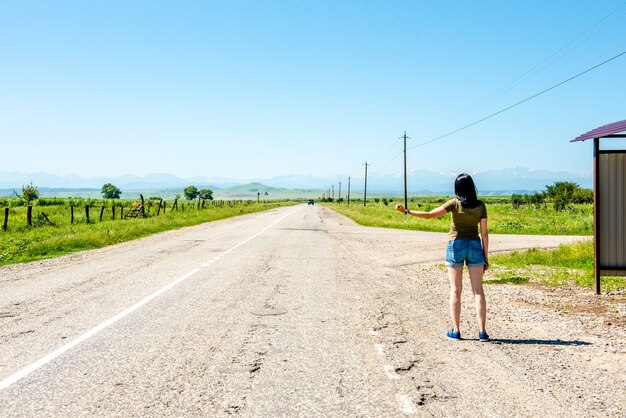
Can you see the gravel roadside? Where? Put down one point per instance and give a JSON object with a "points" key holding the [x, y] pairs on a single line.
{"points": [[554, 352]]}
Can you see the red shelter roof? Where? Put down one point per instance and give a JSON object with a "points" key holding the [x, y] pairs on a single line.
{"points": [[602, 131]]}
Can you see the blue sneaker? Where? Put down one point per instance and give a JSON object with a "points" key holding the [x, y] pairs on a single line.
{"points": [[482, 336], [454, 335]]}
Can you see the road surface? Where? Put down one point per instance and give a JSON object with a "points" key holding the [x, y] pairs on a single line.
{"points": [[291, 312]]}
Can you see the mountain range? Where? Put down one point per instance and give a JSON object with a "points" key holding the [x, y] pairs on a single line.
{"points": [[503, 181]]}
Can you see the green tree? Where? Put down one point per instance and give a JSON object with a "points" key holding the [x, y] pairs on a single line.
{"points": [[191, 192], [537, 199], [206, 194], [583, 196], [565, 193], [110, 191], [29, 193]]}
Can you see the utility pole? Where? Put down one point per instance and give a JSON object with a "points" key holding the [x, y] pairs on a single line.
{"points": [[348, 190], [339, 198], [365, 194], [406, 202], [333, 192]]}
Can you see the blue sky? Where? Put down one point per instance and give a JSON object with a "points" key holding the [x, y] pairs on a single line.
{"points": [[254, 89]]}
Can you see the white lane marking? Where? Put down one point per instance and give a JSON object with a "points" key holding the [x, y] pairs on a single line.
{"points": [[20, 374], [380, 349], [56, 353], [391, 372], [406, 404]]}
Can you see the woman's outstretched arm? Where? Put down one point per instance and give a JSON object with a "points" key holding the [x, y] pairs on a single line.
{"points": [[435, 213]]}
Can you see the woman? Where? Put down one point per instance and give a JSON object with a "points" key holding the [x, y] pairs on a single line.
{"points": [[464, 248]]}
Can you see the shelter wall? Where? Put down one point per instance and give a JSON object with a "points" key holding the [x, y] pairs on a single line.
{"points": [[612, 206]]}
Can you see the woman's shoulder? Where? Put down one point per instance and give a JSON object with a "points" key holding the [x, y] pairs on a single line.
{"points": [[451, 204], [482, 206]]}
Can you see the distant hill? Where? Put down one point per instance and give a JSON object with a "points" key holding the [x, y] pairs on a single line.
{"points": [[250, 191], [495, 182]]}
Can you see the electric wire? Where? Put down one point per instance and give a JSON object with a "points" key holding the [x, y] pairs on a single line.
{"points": [[390, 149], [539, 67], [388, 162], [518, 103], [548, 61]]}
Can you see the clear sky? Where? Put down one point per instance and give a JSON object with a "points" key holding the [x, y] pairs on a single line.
{"points": [[247, 89]]}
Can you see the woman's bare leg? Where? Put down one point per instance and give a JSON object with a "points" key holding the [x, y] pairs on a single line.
{"points": [[455, 274], [476, 278]]}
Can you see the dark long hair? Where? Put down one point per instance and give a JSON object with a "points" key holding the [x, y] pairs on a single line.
{"points": [[465, 191]]}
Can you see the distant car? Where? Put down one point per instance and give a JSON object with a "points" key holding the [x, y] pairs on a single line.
{"points": [[311, 202]]}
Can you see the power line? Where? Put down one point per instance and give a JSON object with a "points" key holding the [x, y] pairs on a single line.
{"points": [[390, 149], [518, 103], [539, 67], [388, 162], [365, 193]]}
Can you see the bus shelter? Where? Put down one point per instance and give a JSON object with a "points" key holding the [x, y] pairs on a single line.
{"points": [[609, 201]]}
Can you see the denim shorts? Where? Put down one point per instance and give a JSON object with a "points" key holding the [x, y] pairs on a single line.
{"points": [[460, 252]]}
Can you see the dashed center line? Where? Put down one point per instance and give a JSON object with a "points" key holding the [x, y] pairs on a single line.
{"points": [[380, 349], [407, 406], [22, 373], [391, 372]]}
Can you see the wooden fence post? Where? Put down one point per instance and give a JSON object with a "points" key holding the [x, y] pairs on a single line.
{"points": [[71, 214], [101, 213], [122, 212], [159, 210], [113, 210], [87, 212], [175, 206], [29, 215], [164, 206], [5, 224]]}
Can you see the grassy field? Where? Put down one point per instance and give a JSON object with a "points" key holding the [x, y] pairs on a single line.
{"points": [[568, 265], [503, 219], [21, 243]]}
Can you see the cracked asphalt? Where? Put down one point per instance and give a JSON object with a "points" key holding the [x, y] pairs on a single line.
{"points": [[290, 312]]}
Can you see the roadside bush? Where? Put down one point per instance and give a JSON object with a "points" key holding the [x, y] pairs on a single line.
{"points": [[29, 193], [50, 201]]}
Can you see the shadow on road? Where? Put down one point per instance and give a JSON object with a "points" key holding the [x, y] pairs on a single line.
{"points": [[538, 342]]}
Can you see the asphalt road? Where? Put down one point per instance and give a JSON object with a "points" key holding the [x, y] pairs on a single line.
{"points": [[279, 313]]}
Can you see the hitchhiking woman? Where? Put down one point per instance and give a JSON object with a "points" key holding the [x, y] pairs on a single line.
{"points": [[464, 248]]}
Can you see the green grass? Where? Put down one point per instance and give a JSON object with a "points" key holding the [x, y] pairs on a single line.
{"points": [[21, 243], [503, 219], [568, 265], [510, 279]]}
